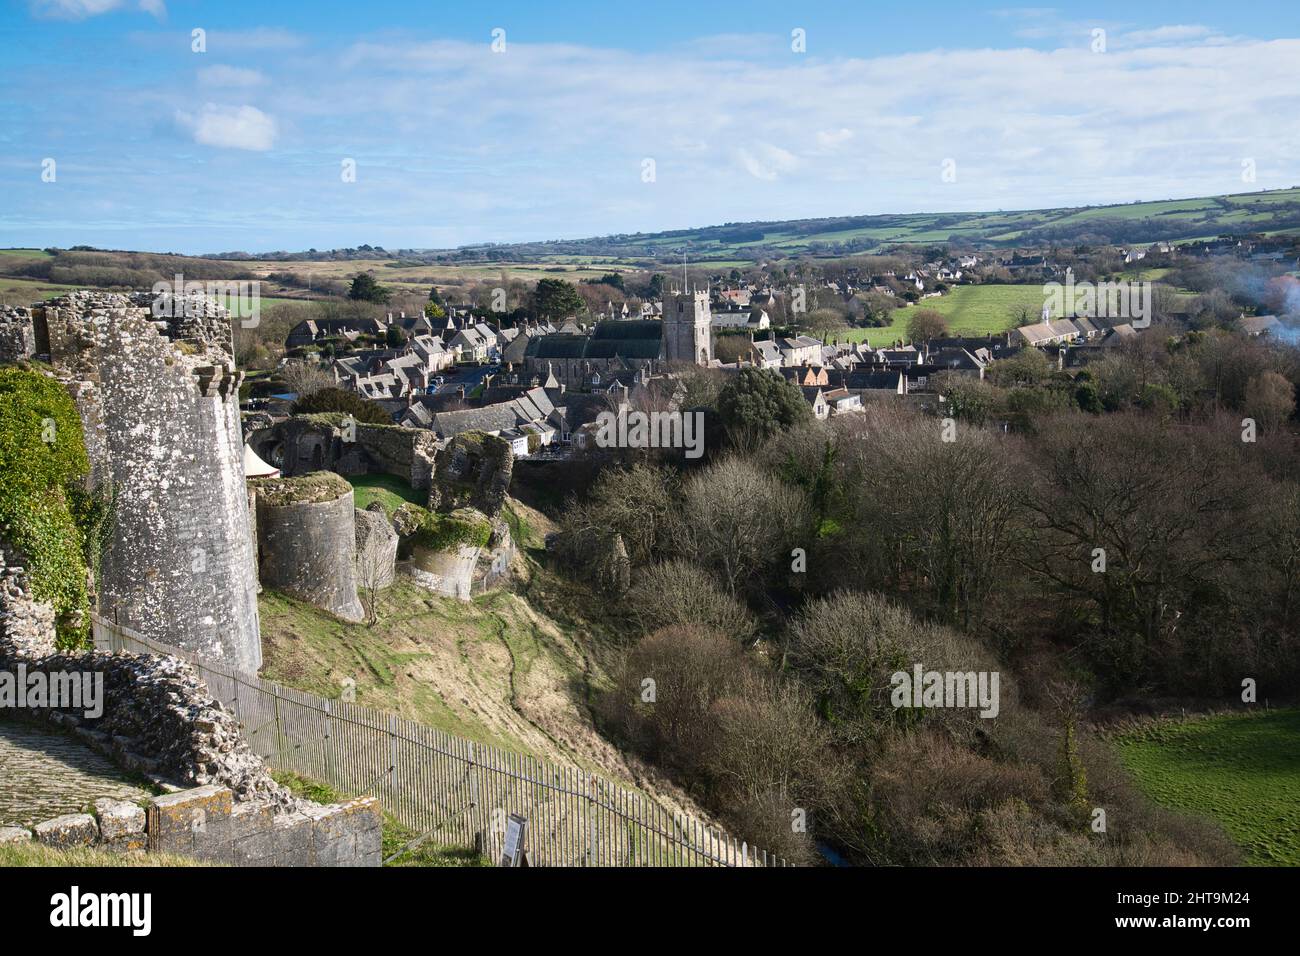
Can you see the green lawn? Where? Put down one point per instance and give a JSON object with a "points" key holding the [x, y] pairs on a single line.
{"points": [[969, 309], [1243, 771], [389, 490]]}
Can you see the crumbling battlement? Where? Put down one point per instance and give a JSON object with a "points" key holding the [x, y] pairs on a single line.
{"points": [[157, 392]]}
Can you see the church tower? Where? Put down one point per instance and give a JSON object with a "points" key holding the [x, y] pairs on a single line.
{"points": [[687, 327]]}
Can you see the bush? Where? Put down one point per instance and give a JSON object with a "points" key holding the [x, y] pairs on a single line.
{"points": [[678, 593], [349, 403]]}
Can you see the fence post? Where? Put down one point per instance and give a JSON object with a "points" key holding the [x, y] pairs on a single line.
{"points": [[392, 757], [591, 822], [279, 730], [327, 746], [480, 837]]}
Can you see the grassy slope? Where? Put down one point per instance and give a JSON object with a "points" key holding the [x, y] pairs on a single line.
{"points": [[388, 490], [1243, 771], [517, 668]]}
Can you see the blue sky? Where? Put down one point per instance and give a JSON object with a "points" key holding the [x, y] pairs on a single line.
{"points": [[919, 107]]}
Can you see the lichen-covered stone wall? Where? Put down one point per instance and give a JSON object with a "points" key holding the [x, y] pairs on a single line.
{"points": [[17, 335], [159, 404]]}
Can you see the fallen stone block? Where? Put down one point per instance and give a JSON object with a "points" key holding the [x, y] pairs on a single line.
{"points": [[70, 830], [14, 835]]}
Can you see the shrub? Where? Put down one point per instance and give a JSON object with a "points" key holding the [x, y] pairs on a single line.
{"points": [[349, 403], [680, 593]]}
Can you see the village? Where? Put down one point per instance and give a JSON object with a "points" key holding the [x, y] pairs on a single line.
{"points": [[541, 382]]}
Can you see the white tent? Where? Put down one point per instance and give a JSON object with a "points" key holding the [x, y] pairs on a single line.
{"points": [[254, 467]]}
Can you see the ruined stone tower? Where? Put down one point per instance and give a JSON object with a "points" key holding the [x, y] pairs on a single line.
{"points": [[687, 324], [158, 396]]}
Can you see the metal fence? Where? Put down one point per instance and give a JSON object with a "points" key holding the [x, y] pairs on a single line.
{"points": [[456, 791]]}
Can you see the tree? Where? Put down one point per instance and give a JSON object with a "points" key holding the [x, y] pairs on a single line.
{"points": [[926, 324], [305, 378], [759, 402], [350, 403], [637, 502], [366, 289], [822, 321], [557, 299], [739, 521], [1270, 400], [433, 311]]}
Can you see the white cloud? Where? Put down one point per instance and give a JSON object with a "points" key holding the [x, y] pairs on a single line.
{"points": [[80, 9], [232, 127], [769, 163], [222, 75], [832, 138]]}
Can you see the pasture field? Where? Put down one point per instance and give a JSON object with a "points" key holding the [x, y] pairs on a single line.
{"points": [[418, 277], [27, 291], [969, 309], [1241, 770]]}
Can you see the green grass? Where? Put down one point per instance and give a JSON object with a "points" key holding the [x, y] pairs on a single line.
{"points": [[27, 291], [37, 854], [389, 490], [1241, 770], [969, 309], [25, 253]]}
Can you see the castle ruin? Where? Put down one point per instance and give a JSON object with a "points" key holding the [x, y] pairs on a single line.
{"points": [[158, 394]]}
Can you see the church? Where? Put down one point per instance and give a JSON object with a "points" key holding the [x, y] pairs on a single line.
{"points": [[613, 347]]}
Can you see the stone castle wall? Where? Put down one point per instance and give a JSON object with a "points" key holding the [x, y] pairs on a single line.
{"points": [[307, 541], [160, 408]]}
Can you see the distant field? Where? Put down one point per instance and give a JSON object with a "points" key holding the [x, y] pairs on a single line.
{"points": [[420, 277], [969, 309], [1243, 771], [25, 253], [27, 291]]}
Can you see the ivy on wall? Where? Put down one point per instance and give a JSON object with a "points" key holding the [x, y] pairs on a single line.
{"points": [[43, 468]]}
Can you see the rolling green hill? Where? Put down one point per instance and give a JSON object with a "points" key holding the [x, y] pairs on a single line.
{"points": [[1271, 212]]}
